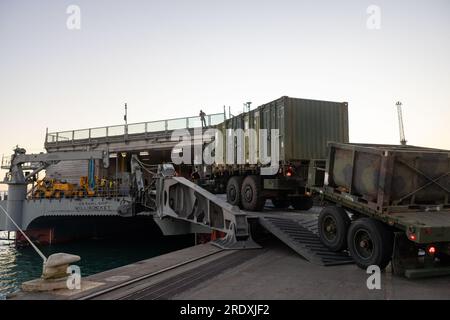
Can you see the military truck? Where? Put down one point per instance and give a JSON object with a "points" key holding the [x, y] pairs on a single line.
{"points": [[388, 203], [304, 128]]}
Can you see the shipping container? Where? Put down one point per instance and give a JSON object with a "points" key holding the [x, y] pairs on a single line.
{"points": [[305, 126], [304, 129]]}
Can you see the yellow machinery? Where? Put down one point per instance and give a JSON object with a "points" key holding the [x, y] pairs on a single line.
{"points": [[85, 189], [51, 188]]}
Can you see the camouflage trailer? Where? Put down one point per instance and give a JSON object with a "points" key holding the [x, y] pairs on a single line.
{"points": [[388, 203]]}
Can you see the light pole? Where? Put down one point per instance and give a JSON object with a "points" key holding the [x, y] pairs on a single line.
{"points": [[400, 123]]}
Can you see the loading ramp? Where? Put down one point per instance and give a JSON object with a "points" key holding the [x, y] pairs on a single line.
{"points": [[178, 198], [300, 233]]}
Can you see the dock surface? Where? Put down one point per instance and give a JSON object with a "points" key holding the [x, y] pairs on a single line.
{"points": [[275, 272]]}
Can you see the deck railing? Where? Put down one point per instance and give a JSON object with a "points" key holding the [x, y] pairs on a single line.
{"points": [[3, 195], [132, 129], [6, 162]]}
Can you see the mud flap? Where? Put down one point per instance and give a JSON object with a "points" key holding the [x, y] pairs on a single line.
{"points": [[405, 255]]}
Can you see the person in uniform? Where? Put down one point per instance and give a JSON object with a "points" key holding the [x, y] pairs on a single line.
{"points": [[202, 118]]}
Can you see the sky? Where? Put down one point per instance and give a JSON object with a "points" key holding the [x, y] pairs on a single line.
{"points": [[170, 58]]}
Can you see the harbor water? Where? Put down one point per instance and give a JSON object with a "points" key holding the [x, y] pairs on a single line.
{"points": [[19, 264]]}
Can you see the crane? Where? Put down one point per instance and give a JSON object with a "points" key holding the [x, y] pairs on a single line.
{"points": [[18, 180], [400, 123]]}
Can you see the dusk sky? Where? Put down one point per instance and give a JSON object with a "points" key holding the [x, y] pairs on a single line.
{"points": [[170, 58]]}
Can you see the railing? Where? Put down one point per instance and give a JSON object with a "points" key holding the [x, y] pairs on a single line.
{"points": [[3, 195], [7, 236], [131, 129], [6, 162], [103, 192]]}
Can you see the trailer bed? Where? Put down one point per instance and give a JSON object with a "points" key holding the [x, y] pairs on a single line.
{"points": [[428, 227]]}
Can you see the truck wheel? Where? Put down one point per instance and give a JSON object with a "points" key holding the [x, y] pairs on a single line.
{"points": [[234, 191], [302, 203], [251, 195], [333, 227], [370, 242], [280, 203]]}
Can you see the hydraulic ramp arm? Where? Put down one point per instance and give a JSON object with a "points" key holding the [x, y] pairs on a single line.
{"points": [[179, 198]]}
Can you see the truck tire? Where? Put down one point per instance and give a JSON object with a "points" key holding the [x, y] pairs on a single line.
{"points": [[370, 242], [234, 186], [333, 228], [280, 203], [251, 194], [302, 203]]}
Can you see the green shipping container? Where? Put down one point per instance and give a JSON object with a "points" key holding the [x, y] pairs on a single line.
{"points": [[305, 126]]}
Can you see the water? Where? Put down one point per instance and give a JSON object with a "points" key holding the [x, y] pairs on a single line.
{"points": [[22, 264]]}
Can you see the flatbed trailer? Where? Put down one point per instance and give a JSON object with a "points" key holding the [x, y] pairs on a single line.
{"points": [[388, 204]]}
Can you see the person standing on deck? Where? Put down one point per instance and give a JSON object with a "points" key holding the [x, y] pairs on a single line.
{"points": [[202, 118]]}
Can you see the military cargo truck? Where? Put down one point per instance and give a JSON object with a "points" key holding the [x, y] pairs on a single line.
{"points": [[304, 128], [388, 203]]}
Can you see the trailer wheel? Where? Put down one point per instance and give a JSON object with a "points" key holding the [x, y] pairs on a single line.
{"points": [[251, 194], [234, 190], [370, 242], [302, 203], [333, 227]]}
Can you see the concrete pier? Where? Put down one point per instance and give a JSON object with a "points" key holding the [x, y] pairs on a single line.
{"points": [[275, 272]]}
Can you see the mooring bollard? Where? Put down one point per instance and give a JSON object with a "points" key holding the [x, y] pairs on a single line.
{"points": [[54, 273]]}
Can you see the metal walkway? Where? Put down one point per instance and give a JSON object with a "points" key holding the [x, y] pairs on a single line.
{"points": [[301, 235], [142, 136]]}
